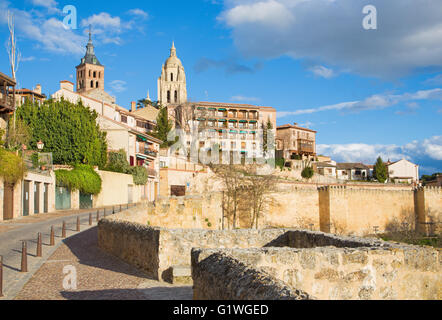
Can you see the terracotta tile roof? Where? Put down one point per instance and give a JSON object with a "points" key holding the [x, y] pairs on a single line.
{"points": [[350, 165], [287, 126], [8, 79], [325, 164], [228, 104]]}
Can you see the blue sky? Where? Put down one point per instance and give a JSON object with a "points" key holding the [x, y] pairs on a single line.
{"points": [[366, 92]]}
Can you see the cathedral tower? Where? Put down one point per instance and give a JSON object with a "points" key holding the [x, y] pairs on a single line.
{"points": [[172, 83], [90, 72]]}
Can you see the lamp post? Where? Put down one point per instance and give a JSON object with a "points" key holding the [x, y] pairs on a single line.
{"points": [[40, 145]]}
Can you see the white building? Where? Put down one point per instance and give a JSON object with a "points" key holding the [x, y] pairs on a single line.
{"points": [[403, 171]]}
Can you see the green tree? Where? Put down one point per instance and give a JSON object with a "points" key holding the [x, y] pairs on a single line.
{"points": [[268, 137], [380, 172], [163, 127], [70, 131], [12, 167]]}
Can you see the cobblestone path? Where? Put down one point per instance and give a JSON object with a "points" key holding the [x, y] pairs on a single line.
{"points": [[100, 276]]}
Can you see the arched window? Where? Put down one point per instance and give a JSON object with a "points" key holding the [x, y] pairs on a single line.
{"points": [[176, 96], [171, 77], [95, 74], [99, 75], [96, 84], [92, 84], [89, 73], [168, 96]]}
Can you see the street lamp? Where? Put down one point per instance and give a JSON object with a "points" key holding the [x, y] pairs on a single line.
{"points": [[40, 145]]}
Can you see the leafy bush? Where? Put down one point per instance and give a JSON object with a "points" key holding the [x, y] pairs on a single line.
{"points": [[307, 173], [82, 178], [139, 174], [12, 167], [117, 162]]}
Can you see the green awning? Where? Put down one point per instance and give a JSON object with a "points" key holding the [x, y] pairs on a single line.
{"points": [[253, 121], [233, 120], [222, 109], [141, 156], [201, 108], [243, 132], [212, 130], [212, 119], [222, 131], [141, 138], [201, 119], [233, 131], [243, 121], [222, 120], [211, 109], [253, 132]]}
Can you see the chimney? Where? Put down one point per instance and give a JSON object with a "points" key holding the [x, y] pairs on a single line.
{"points": [[133, 106], [38, 89]]}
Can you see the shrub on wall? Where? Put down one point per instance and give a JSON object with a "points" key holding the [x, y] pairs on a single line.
{"points": [[12, 167], [307, 173], [140, 175], [117, 162], [82, 178]]}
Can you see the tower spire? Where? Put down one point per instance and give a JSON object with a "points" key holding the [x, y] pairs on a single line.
{"points": [[173, 50]]}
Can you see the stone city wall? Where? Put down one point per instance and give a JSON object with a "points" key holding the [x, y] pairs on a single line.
{"points": [[157, 250], [360, 271], [336, 209], [221, 277]]}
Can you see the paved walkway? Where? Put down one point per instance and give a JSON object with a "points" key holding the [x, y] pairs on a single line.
{"points": [[26, 229], [100, 276]]}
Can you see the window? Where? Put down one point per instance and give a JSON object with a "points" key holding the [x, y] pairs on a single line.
{"points": [[171, 77], [95, 74], [92, 84], [89, 73], [233, 145], [123, 119], [99, 75], [176, 96], [96, 84], [168, 96]]}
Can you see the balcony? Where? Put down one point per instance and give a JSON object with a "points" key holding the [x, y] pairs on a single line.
{"points": [[152, 172], [306, 146], [6, 103]]}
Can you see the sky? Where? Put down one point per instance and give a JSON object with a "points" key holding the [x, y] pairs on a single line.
{"points": [[368, 92]]}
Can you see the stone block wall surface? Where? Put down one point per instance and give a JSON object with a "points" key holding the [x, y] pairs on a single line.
{"points": [[330, 273], [221, 277]]}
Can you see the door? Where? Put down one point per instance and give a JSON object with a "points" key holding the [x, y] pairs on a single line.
{"points": [[37, 197], [8, 202], [46, 197], [85, 200], [26, 190], [178, 191], [62, 198], [130, 193]]}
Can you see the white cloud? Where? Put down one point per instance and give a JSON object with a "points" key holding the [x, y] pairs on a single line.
{"points": [[139, 13], [51, 5], [322, 71], [26, 59], [118, 85], [374, 102], [270, 13], [242, 98], [427, 151], [328, 32]]}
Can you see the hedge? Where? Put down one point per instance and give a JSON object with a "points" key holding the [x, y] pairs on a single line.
{"points": [[82, 178]]}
